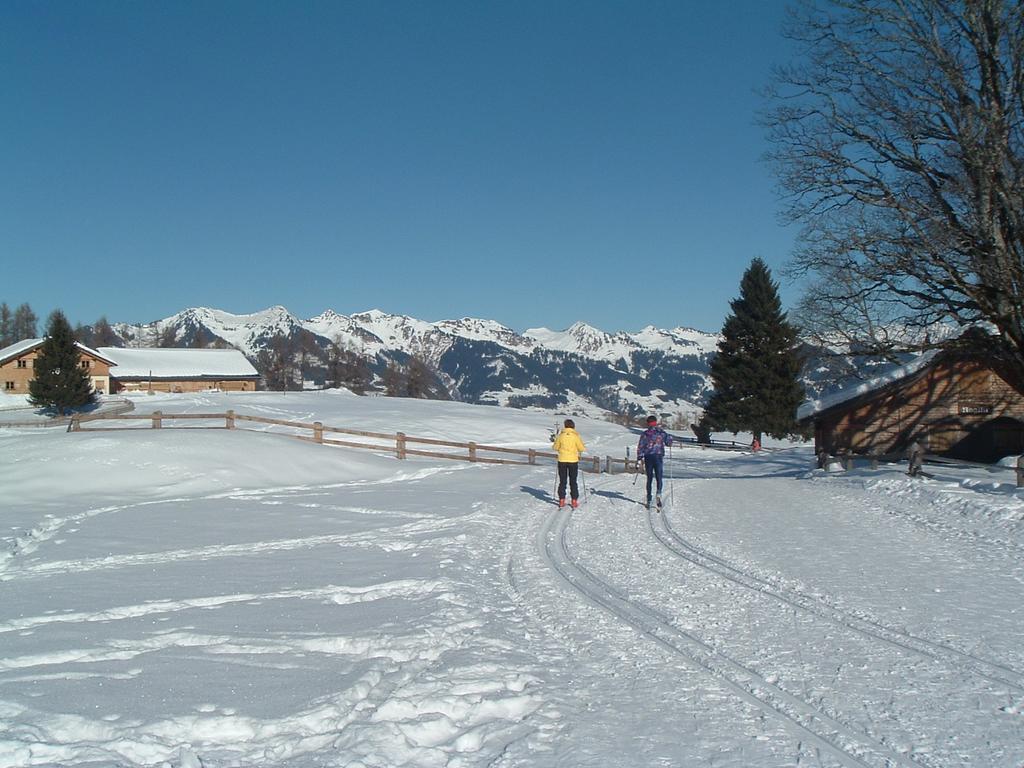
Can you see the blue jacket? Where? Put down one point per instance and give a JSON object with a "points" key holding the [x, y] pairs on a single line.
{"points": [[653, 442]]}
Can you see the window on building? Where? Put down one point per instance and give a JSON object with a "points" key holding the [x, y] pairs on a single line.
{"points": [[23, 363], [8, 385], [85, 363]]}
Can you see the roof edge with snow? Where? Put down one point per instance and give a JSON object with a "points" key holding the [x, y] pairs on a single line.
{"points": [[19, 348], [812, 408]]}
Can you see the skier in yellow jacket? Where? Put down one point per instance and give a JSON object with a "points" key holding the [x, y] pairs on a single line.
{"points": [[569, 447]]}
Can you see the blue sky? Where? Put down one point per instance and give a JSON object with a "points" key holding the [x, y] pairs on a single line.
{"points": [[535, 163]]}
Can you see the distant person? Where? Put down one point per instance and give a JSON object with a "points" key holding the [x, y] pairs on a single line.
{"points": [[569, 447], [822, 457], [916, 458], [755, 445], [651, 451]]}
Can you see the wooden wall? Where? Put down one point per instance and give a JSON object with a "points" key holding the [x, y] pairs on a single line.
{"points": [[13, 374], [943, 406], [183, 385]]}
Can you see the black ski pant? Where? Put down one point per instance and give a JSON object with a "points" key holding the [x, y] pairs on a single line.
{"points": [[568, 470]]}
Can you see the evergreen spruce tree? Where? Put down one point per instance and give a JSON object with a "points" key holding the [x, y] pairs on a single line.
{"points": [[756, 371], [60, 381]]}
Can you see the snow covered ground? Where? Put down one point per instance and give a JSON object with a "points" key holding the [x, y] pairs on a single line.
{"points": [[185, 597]]}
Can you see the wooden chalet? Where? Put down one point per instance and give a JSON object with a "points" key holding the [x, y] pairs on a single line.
{"points": [[17, 366], [959, 405]]}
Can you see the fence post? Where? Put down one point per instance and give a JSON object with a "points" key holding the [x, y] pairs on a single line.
{"points": [[533, 456], [318, 431], [400, 445], [597, 465], [157, 419], [1020, 471], [229, 420], [472, 451], [76, 423], [608, 465]]}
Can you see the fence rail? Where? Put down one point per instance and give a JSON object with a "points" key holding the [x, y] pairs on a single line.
{"points": [[115, 407], [391, 442]]}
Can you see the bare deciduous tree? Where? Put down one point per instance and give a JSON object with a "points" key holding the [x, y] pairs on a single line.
{"points": [[276, 363], [6, 325], [167, 336], [24, 323], [103, 335], [900, 143], [347, 368], [393, 380], [418, 378]]}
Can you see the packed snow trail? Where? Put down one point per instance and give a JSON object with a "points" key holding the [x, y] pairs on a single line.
{"points": [[778, 631], [832, 736]]}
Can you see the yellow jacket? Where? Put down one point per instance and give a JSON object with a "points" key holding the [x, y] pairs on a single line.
{"points": [[569, 445]]}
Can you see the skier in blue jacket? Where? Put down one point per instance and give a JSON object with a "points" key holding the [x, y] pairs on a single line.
{"points": [[651, 450]]}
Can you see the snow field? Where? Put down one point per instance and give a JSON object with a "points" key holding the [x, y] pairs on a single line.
{"points": [[207, 598]]}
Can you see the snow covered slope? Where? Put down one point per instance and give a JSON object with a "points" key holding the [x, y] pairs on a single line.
{"points": [[587, 341], [186, 597]]}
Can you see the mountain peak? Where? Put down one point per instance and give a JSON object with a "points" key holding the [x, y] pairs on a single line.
{"points": [[476, 358], [327, 316], [373, 314]]}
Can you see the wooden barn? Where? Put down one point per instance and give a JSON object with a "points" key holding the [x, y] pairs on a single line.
{"points": [[180, 370], [959, 405], [17, 366]]}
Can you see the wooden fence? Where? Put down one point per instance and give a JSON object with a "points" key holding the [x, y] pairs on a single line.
{"points": [[391, 442], [109, 407]]}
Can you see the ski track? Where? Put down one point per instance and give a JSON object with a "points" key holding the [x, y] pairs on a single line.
{"points": [[849, 746], [440, 589], [868, 627], [52, 526], [367, 539]]}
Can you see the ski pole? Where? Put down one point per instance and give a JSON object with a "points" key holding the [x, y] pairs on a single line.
{"points": [[671, 485]]}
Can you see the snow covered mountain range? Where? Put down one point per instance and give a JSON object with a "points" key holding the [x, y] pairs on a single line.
{"points": [[581, 368]]}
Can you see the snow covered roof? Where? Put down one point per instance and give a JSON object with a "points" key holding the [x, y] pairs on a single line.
{"points": [[177, 363], [813, 407], [19, 348]]}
